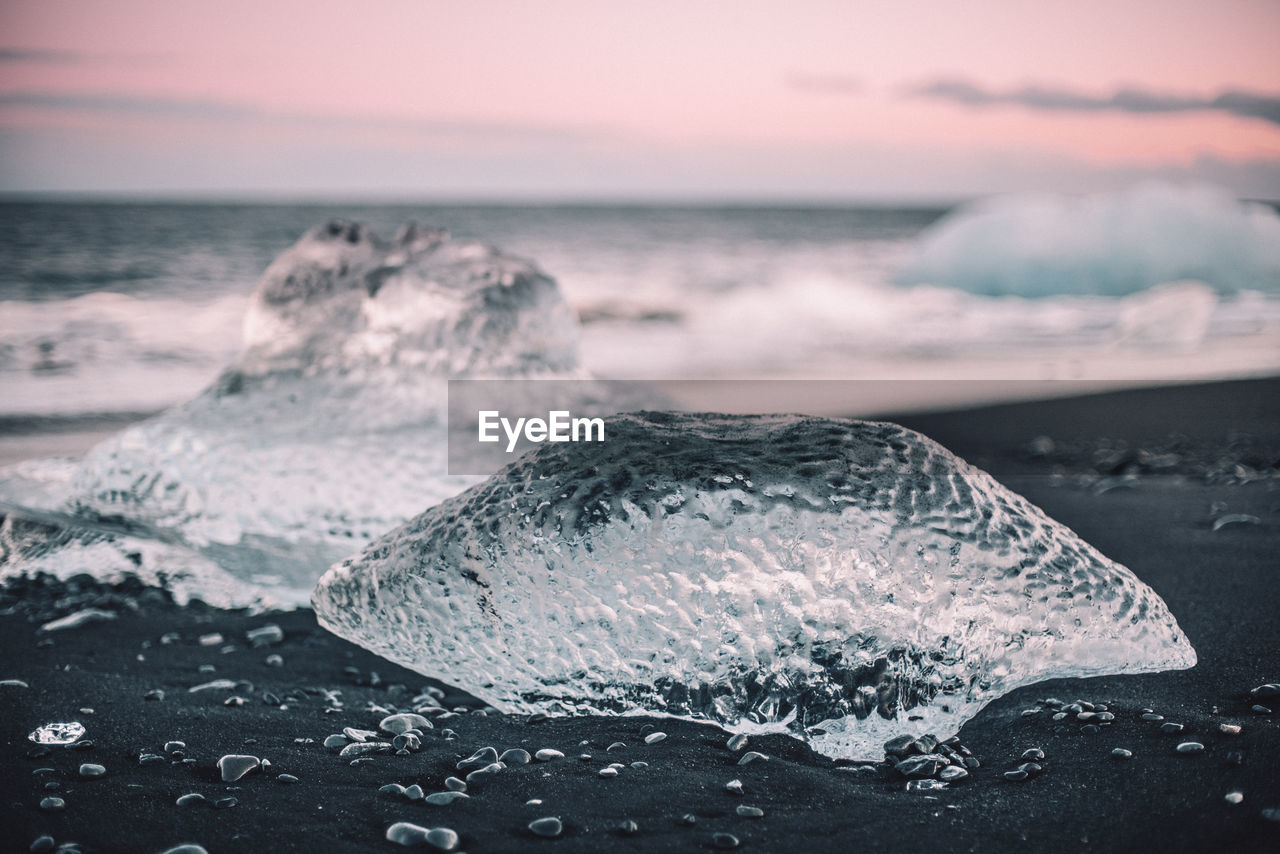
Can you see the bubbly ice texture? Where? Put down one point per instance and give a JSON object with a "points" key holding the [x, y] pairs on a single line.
{"points": [[1110, 244], [328, 428], [843, 581]]}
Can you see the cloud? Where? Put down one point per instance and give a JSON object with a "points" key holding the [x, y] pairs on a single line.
{"points": [[1251, 105], [56, 56], [225, 112], [40, 55], [830, 84]]}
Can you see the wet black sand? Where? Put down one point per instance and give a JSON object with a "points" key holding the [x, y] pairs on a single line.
{"points": [[1189, 455]]}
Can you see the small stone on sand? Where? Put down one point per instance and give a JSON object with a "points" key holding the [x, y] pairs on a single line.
{"points": [[234, 766], [549, 827], [654, 737], [547, 754], [89, 770]]}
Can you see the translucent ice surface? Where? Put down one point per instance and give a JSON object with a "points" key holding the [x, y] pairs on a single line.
{"points": [[328, 429], [840, 580]]}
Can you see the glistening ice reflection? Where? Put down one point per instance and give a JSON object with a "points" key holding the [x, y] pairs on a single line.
{"points": [[839, 580], [58, 733]]}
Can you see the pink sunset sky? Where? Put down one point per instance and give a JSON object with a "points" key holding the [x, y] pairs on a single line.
{"points": [[596, 99]]}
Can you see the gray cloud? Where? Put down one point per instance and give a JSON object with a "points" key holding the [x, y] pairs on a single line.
{"points": [[1252, 105], [40, 55], [229, 112]]}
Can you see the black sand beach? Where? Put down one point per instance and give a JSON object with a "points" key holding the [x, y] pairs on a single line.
{"points": [[1142, 475]]}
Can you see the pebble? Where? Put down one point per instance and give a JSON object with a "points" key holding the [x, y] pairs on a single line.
{"points": [[366, 748], [174, 746], [210, 640], [751, 756], [749, 812], [225, 803], [1091, 729], [1234, 797], [335, 742], [533, 802], [53, 804], [286, 778], [1060, 716], [406, 742], [190, 799], [640, 765], [233, 702], [1035, 754], [234, 766], [1170, 728], [617, 745], [414, 793], [273, 660], [153, 694], [688, 819], [546, 754], [442, 838], [1271, 689], [1152, 716], [921, 766], [404, 833], [13, 683], [1261, 710], [952, 773], [41, 844], [733, 787], [725, 841], [1016, 776], [215, 685], [265, 635], [628, 828], [151, 759], [737, 742], [403, 722], [1190, 747], [1121, 753], [89, 769], [481, 774], [515, 756], [186, 848], [453, 784], [549, 827], [654, 737], [443, 799], [1030, 713], [82, 744], [392, 790], [609, 772], [483, 756], [354, 734]]}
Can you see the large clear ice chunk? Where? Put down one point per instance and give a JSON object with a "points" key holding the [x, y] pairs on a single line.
{"points": [[843, 581], [328, 429]]}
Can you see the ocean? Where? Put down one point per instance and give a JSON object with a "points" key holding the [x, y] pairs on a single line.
{"points": [[128, 306]]}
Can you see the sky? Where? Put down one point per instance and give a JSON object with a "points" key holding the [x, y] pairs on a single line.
{"points": [[666, 99]]}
